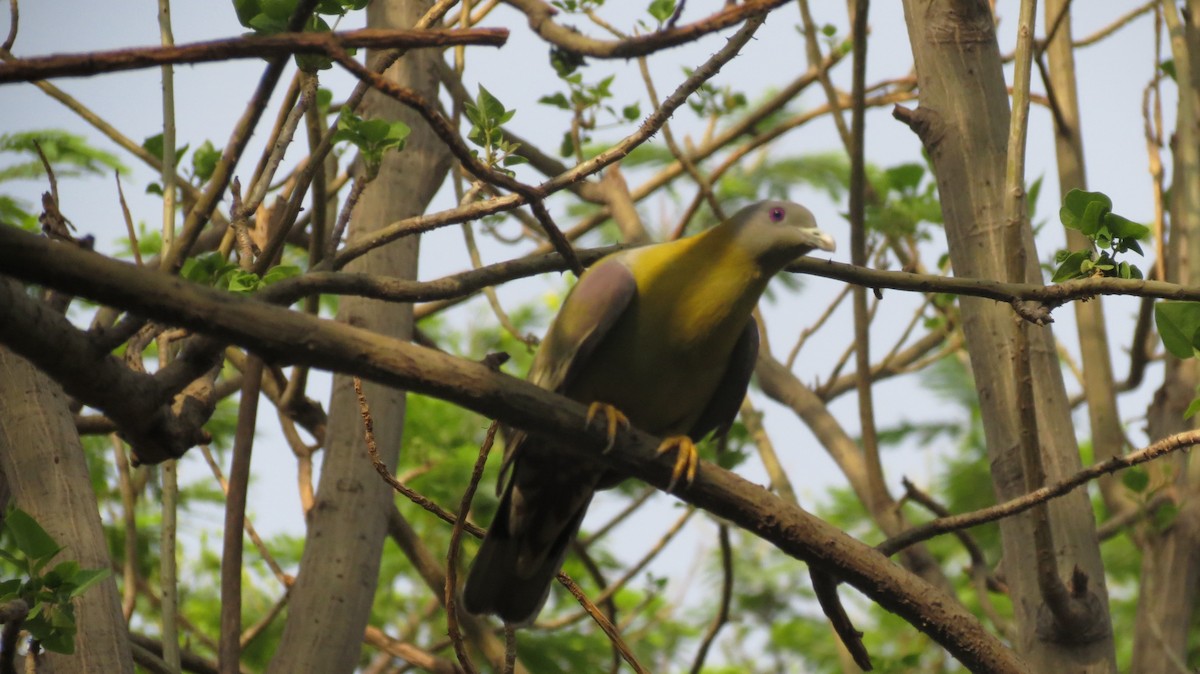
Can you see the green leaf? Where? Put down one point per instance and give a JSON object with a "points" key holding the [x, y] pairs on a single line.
{"points": [[1132, 244], [86, 578], [278, 9], [246, 10], [241, 281], [1168, 67], [279, 273], [324, 99], [557, 100], [631, 112], [661, 10], [61, 574], [374, 130], [1122, 228], [489, 105], [905, 177], [1192, 409], [1164, 516], [1083, 210], [1071, 266], [1178, 324], [10, 588], [31, 539], [154, 145], [204, 161], [1136, 479], [398, 132], [514, 159]]}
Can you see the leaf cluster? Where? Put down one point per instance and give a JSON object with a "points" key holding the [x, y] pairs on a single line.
{"points": [[51, 618], [212, 269], [584, 101], [204, 160], [1090, 213], [372, 137], [487, 114], [266, 17]]}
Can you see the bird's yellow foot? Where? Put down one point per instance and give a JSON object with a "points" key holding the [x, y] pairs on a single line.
{"points": [[687, 459], [614, 421]]}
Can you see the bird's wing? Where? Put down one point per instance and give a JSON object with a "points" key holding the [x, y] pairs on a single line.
{"points": [[588, 314], [723, 407]]}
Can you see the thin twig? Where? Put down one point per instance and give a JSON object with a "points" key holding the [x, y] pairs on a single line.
{"points": [[14, 20], [450, 591], [605, 624], [1122, 21], [813, 50], [540, 16], [722, 615], [133, 240]]}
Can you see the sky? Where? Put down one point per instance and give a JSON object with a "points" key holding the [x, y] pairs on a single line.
{"points": [[210, 97]]}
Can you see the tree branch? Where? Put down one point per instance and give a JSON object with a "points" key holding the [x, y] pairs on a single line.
{"points": [[279, 44], [1033, 302], [540, 13], [156, 427]]}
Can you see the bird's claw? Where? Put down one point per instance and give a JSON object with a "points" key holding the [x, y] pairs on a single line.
{"points": [[687, 459], [614, 421]]}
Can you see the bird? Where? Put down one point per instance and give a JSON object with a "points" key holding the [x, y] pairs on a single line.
{"points": [[661, 337]]}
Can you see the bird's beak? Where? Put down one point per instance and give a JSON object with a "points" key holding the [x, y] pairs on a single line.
{"points": [[818, 240]]}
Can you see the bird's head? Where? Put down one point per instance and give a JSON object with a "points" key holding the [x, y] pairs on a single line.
{"points": [[779, 232]]}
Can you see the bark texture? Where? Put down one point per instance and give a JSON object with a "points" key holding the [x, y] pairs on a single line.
{"points": [[42, 462], [335, 588], [963, 121]]}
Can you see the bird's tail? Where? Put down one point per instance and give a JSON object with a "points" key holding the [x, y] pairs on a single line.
{"points": [[512, 572]]}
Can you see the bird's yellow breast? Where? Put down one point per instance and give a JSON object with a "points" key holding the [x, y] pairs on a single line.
{"points": [[662, 361]]}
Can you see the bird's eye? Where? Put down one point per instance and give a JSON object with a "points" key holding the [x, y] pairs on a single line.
{"points": [[776, 214]]}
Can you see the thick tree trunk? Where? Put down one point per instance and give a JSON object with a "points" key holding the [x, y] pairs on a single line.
{"points": [[42, 462], [963, 121], [332, 599]]}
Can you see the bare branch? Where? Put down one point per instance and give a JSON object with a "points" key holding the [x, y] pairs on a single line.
{"points": [[540, 13], [279, 44]]}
